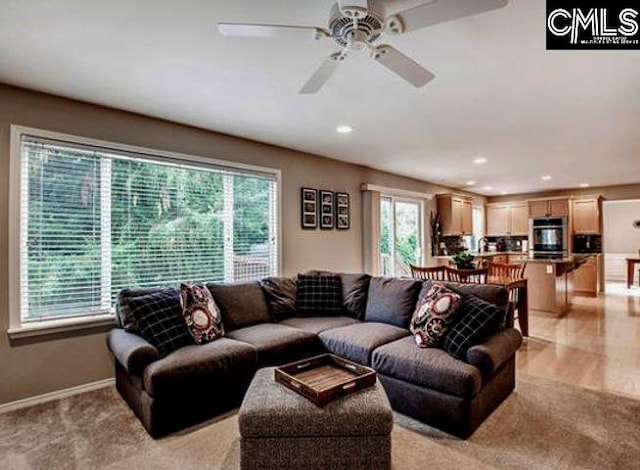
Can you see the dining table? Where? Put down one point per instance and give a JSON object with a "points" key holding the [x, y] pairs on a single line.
{"points": [[518, 296]]}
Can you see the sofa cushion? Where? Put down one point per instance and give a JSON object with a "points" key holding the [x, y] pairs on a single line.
{"points": [[319, 295], [430, 368], [357, 342], [478, 320], [124, 317], [241, 304], [433, 315], [392, 300], [159, 318], [354, 294], [280, 293], [195, 366], [278, 344], [317, 324], [201, 314]]}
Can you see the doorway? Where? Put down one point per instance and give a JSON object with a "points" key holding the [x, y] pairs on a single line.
{"points": [[621, 240], [400, 235]]}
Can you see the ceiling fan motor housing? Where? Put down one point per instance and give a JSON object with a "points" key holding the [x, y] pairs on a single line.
{"points": [[355, 24]]}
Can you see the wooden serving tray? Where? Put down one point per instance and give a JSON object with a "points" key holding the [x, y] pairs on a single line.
{"points": [[324, 378]]}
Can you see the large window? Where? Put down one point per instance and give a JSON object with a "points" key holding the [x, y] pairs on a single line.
{"points": [[94, 220], [400, 235]]}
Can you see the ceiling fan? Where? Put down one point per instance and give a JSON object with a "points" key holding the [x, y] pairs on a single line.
{"points": [[357, 25]]}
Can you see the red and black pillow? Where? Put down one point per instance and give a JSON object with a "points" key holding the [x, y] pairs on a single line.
{"points": [[434, 314], [201, 314]]}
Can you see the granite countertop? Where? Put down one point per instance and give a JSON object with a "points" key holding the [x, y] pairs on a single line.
{"points": [[567, 260], [485, 253]]}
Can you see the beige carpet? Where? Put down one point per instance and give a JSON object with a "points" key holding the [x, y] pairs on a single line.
{"points": [[543, 425]]}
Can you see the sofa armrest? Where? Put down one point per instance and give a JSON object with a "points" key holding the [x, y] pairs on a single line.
{"points": [[495, 351], [131, 350]]}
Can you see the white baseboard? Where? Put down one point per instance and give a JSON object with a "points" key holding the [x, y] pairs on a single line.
{"points": [[57, 395]]}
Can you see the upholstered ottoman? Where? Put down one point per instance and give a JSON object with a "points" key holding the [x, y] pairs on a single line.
{"points": [[281, 429]]}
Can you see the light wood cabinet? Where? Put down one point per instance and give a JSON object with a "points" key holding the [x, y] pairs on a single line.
{"points": [[508, 219], [586, 215], [456, 214], [520, 219], [586, 279], [467, 217], [497, 220], [549, 208]]}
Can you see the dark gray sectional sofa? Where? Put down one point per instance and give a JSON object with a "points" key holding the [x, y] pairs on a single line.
{"points": [[197, 382]]}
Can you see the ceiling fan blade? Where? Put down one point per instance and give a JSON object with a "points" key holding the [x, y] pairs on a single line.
{"points": [[402, 65], [264, 30], [323, 74], [438, 11]]}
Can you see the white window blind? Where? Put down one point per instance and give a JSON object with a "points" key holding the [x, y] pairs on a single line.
{"points": [[95, 220]]}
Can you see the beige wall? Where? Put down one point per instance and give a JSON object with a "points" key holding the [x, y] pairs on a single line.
{"points": [[34, 367], [611, 193]]}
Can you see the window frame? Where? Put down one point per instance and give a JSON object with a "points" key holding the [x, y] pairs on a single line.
{"points": [[393, 199], [18, 329]]}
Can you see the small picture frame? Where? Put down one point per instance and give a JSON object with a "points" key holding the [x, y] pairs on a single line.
{"points": [[308, 208], [327, 210], [343, 211]]}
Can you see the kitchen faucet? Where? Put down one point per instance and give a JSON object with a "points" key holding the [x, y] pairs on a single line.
{"points": [[483, 244]]}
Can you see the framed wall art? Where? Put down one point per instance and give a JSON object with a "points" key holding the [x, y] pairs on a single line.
{"points": [[327, 210], [343, 211], [308, 208]]}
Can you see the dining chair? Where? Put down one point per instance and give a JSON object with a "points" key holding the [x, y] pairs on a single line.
{"points": [[437, 273], [506, 271], [505, 274], [469, 276]]}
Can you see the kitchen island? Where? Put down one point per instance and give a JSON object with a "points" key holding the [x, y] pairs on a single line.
{"points": [[551, 284]]}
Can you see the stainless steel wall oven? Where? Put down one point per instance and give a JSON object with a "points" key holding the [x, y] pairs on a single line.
{"points": [[548, 237]]}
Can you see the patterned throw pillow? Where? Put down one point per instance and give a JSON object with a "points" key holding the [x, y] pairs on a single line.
{"points": [[319, 295], [433, 315], [479, 320], [160, 321], [201, 313]]}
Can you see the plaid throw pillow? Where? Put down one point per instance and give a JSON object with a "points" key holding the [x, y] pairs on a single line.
{"points": [[433, 315], [159, 318], [478, 321], [201, 314], [319, 295]]}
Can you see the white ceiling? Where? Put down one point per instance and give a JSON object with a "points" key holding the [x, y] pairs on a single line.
{"points": [[498, 93]]}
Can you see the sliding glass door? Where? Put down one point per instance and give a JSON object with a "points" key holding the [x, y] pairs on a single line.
{"points": [[400, 235]]}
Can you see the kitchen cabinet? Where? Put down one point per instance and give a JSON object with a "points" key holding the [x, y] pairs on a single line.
{"points": [[585, 215], [586, 279], [508, 219], [549, 208], [456, 214]]}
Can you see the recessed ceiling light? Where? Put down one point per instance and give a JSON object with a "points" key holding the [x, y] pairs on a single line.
{"points": [[546, 178], [584, 185], [470, 183], [479, 160], [344, 129], [488, 188], [504, 193]]}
